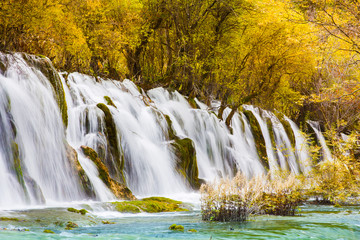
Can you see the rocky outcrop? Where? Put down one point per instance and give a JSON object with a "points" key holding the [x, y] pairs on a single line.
{"points": [[186, 163], [118, 189], [85, 182], [114, 158]]}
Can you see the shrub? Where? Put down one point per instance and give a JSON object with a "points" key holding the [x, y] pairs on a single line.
{"points": [[236, 199]]}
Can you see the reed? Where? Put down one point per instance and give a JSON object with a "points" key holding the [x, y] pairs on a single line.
{"points": [[235, 199]]}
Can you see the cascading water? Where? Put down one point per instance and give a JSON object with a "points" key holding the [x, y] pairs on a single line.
{"points": [[324, 148], [31, 110], [273, 164], [149, 167], [134, 126], [301, 148]]}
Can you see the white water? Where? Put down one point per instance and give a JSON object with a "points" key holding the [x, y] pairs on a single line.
{"points": [[142, 134], [325, 149], [301, 148], [273, 164], [40, 137]]}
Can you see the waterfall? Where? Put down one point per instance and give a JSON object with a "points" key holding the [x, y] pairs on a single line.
{"points": [[273, 164], [301, 148], [149, 166], [135, 134], [324, 148], [28, 107]]}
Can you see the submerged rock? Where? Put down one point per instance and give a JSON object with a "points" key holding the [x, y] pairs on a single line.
{"points": [[150, 205], [119, 189], [81, 211], [71, 225], [176, 227]]}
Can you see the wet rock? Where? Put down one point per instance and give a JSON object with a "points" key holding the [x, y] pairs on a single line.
{"points": [[120, 190]]}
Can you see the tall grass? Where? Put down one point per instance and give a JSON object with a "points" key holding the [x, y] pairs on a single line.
{"points": [[236, 199]]}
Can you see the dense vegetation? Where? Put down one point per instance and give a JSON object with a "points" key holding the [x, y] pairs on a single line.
{"points": [[298, 56], [236, 199]]}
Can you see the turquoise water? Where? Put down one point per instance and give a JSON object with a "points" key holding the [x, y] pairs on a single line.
{"points": [[315, 222]]}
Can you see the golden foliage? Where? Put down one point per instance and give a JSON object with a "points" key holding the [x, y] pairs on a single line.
{"points": [[236, 199]]}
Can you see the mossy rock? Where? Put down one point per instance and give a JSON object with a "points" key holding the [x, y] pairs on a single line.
{"points": [[176, 227], [83, 179], [2, 68], [192, 103], [71, 225], [10, 219], [288, 130], [150, 205], [171, 132], [192, 230], [186, 162], [119, 190], [17, 164], [109, 101], [107, 222], [45, 67], [258, 137], [115, 160], [48, 231], [81, 211]]}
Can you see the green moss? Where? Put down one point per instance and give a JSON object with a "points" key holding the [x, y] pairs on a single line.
{"points": [[109, 101], [258, 137], [150, 205], [171, 132], [17, 164], [111, 135], [59, 223], [192, 102], [192, 230], [2, 68], [9, 219], [84, 181], [186, 160], [107, 222], [337, 205], [288, 130], [81, 211], [73, 210], [45, 66], [176, 227], [119, 190], [71, 225], [48, 231], [127, 207]]}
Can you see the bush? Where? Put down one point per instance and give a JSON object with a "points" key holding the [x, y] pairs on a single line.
{"points": [[236, 199], [337, 180]]}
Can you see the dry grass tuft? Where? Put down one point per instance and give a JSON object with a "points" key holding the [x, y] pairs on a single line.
{"points": [[236, 199]]}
